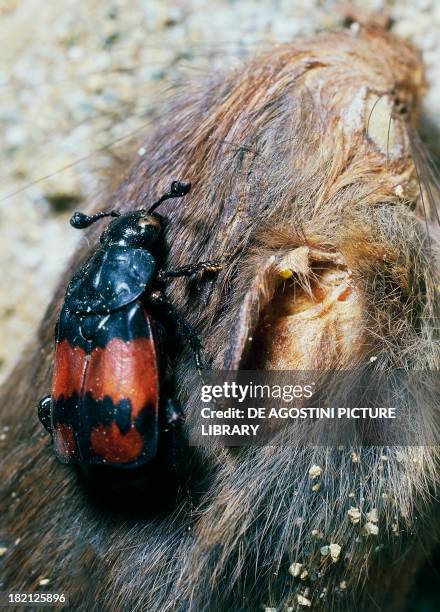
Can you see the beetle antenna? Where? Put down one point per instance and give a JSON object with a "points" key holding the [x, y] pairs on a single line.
{"points": [[177, 190], [79, 220]]}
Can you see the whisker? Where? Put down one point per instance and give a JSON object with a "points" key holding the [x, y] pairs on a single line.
{"points": [[431, 198], [422, 197], [130, 70], [77, 77], [388, 136], [238, 146], [371, 112], [77, 161], [432, 163], [205, 50], [430, 178], [111, 116]]}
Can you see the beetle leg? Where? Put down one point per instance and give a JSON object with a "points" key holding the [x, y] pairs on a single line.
{"points": [[167, 310], [214, 265], [44, 412]]}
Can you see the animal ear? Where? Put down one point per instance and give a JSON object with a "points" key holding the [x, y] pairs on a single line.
{"points": [[301, 311], [270, 274], [240, 335]]}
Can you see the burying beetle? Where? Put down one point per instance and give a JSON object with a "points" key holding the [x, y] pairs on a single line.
{"points": [[107, 406]]}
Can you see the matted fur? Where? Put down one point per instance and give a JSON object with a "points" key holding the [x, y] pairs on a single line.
{"points": [[285, 153]]}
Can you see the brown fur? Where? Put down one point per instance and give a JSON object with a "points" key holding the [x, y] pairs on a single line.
{"points": [[284, 154]]}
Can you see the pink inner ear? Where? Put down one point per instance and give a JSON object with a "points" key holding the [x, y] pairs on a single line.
{"points": [[312, 323]]}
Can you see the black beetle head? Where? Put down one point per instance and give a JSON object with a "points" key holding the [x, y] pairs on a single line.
{"points": [[140, 228]]}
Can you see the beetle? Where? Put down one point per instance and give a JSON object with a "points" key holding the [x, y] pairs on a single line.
{"points": [[107, 406]]}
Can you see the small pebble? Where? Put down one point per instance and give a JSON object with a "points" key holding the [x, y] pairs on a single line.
{"points": [[315, 471], [295, 569], [3, 550], [44, 581], [334, 550], [372, 516], [303, 601], [354, 515], [370, 529]]}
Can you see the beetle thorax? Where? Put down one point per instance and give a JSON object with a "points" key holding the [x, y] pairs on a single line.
{"points": [[136, 229]]}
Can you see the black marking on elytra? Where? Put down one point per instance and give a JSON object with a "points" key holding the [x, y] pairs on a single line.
{"points": [[66, 411], [146, 421], [123, 415], [93, 331]]}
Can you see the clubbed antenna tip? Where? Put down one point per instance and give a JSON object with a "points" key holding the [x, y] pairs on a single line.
{"points": [[178, 189], [80, 221]]}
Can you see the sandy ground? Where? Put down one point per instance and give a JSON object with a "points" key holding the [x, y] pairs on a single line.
{"points": [[80, 82]]}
